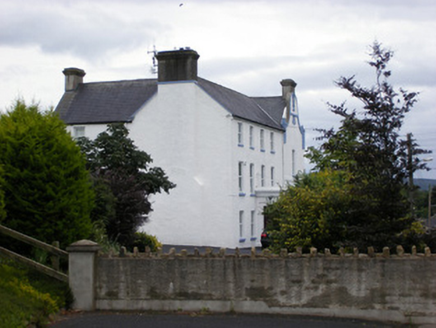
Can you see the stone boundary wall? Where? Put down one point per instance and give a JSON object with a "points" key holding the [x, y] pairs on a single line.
{"points": [[399, 288]]}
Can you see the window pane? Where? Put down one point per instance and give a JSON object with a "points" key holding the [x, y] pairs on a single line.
{"points": [[241, 224], [251, 178], [240, 140], [272, 176], [262, 141], [240, 182], [262, 176]]}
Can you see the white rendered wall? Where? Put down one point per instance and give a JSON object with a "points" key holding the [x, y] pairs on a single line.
{"points": [[195, 141], [186, 133]]}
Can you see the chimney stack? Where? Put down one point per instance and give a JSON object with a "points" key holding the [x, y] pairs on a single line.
{"points": [[177, 65], [288, 87], [73, 77]]}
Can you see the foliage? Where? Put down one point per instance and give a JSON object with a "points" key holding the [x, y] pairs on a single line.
{"points": [[143, 240], [314, 212], [114, 160], [2, 196], [99, 235], [368, 146], [27, 298], [48, 194], [421, 202]]}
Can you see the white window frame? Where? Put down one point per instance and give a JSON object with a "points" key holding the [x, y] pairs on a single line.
{"points": [[241, 225], [78, 131], [272, 142], [252, 225], [240, 134], [252, 179], [251, 137], [262, 175], [272, 176], [262, 140], [241, 177]]}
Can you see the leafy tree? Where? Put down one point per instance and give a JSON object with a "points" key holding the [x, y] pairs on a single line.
{"points": [[368, 146], [47, 190], [313, 212], [114, 160]]}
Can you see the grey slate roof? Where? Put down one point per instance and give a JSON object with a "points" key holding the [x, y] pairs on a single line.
{"points": [[118, 101], [105, 102]]}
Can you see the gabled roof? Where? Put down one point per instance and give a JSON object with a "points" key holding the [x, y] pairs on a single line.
{"points": [[118, 101]]}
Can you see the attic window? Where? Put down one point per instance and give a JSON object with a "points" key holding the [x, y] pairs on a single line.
{"points": [[79, 131]]}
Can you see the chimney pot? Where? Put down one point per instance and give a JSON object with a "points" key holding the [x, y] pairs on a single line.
{"points": [[73, 77]]}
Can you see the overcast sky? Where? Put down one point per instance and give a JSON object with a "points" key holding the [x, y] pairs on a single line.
{"points": [[248, 46]]}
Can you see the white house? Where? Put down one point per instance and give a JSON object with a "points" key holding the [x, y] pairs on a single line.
{"points": [[228, 153]]}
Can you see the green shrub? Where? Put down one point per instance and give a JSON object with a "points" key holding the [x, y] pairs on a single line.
{"points": [[47, 189], [142, 240], [28, 298], [311, 213]]}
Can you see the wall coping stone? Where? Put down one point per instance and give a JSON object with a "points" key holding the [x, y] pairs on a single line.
{"points": [[84, 245], [88, 246]]}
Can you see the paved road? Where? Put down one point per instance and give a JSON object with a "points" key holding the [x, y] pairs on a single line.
{"points": [[141, 320]]}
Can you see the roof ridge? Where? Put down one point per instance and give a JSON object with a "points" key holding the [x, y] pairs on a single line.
{"points": [[119, 81]]}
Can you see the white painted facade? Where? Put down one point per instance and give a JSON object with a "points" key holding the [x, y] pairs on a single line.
{"points": [[224, 174], [199, 145]]}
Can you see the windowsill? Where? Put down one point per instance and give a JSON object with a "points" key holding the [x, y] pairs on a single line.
{"points": [[252, 148], [242, 240], [240, 145], [253, 239], [262, 150], [242, 194], [273, 152], [252, 195]]}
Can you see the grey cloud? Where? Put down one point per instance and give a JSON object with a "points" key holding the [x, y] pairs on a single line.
{"points": [[87, 35]]}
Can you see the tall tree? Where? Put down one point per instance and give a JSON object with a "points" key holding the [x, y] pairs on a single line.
{"points": [[368, 145], [114, 160], [47, 190]]}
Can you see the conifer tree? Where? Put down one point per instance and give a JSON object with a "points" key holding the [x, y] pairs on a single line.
{"points": [[47, 190]]}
